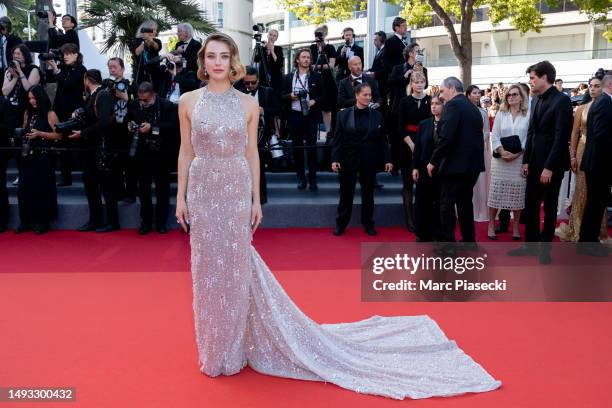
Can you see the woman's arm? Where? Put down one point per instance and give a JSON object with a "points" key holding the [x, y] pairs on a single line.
{"points": [[252, 153], [33, 80], [53, 120], [186, 153], [9, 84], [575, 136]]}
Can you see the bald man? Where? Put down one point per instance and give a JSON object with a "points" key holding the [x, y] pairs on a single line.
{"points": [[346, 87]]}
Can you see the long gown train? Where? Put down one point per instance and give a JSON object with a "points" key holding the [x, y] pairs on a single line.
{"points": [[243, 316]]}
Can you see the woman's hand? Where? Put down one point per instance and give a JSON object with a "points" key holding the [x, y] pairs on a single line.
{"points": [[18, 68], [33, 134], [256, 216], [574, 164], [182, 216]]}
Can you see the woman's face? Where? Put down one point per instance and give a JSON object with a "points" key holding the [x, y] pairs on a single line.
{"points": [[32, 100], [272, 36], [474, 96], [217, 59], [70, 58], [513, 97], [18, 56], [364, 96], [418, 86], [436, 106], [595, 88]]}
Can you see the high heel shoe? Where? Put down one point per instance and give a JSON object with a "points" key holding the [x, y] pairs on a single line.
{"points": [[491, 236], [516, 237]]}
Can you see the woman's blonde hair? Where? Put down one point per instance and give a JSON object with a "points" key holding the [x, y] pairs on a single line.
{"points": [[237, 70], [524, 108], [415, 76]]}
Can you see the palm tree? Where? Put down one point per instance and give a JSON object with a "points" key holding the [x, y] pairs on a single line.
{"points": [[11, 4], [121, 19]]}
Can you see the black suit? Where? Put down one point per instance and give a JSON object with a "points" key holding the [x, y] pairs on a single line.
{"points": [[427, 198], [57, 38], [304, 128], [275, 68], [458, 159], [381, 74], [360, 151], [191, 54], [394, 52], [546, 147], [597, 165], [346, 91], [342, 61]]}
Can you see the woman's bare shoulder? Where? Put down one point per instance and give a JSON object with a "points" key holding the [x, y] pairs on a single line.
{"points": [[250, 104], [188, 99]]}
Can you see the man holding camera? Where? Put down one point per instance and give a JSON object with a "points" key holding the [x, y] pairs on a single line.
{"points": [[99, 167], [153, 127], [187, 47], [176, 78], [346, 87], [302, 92], [70, 34], [346, 51], [145, 50], [7, 42]]}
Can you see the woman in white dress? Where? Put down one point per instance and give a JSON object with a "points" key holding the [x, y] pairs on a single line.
{"points": [[481, 188], [507, 189]]}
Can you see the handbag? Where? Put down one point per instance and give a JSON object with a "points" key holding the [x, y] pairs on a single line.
{"points": [[510, 144]]}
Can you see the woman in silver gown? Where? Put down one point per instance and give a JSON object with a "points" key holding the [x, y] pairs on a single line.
{"points": [[242, 314]]}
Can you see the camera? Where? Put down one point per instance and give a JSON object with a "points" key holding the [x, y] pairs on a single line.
{"points": [[145, 30], [74, 123], [111, 84], [258, 29], [303, 95], [168, 65], [19, 134], [53, 54], [419, 57]]}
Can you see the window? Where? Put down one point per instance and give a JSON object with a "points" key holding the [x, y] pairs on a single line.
{"points": [[220, 14]]}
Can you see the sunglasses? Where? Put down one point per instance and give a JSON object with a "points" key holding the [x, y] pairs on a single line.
{"points": [[511, 94], [249, 82]]}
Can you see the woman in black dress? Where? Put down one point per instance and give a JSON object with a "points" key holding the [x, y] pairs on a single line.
{"points": [[37, 195], [413, 108], [18, 79], [68, 98], [323, 61]]}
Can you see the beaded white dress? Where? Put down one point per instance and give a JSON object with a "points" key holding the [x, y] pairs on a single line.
{"points": [[243, 316]]}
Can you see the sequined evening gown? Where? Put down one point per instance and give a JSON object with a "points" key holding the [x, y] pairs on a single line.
{"points": [[243, 316]]}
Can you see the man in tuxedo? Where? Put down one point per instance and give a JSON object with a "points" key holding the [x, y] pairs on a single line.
{"points": [[303, 86], [545, 160], [8, 41], [597, 166], [188, 46], [269, 110], [359, 149], [395, 44], [379, 71], [346, 51], [457, 159], [346, 87], [100, 170]]}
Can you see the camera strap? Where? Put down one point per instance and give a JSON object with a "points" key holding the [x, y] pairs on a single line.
{"points": [[298, 79]]}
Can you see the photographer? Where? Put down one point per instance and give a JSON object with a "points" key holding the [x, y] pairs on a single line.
{"points": [[21, 75], [187, 47], [121, 90], [145, 55], [176, 79], [302, 94], [37, 195], [346, 51], [70, 34], [274, 61], [68, 97], [99, 166], [153, 123], [323, 60], [8, 41]]}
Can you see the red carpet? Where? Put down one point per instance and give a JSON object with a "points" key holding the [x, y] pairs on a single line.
{"points": [[125, 339]]}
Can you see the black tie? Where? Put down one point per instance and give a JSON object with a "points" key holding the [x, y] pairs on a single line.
{"points": [[356, 81], [253, 92]]}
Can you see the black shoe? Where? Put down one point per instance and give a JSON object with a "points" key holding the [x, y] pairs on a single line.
{"points": [[595, 249], [492, 237], [313, 186], [22, 228], [41, 228], [370, 231], [378, 186], [301, 185], [339, 231], [162, 229], [64, 183], [144, 229], [516, 237], [89, 226], [545, 258], [129, 200], [3, 228], [500, 230], [525, 250], [108, 228]]}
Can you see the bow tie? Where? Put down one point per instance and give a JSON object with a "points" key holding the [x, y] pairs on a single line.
{"points": [[357, 80], [253, 92]]}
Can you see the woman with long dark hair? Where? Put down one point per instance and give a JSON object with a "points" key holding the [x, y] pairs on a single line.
{"points": [[37, 195], [18, 79]]}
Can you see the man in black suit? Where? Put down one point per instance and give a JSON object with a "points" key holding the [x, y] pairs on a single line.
{"points": [[188, 46], [597, 166], [359, 148], [395, 44], [8, 41], [457, 160], [345, 52], [302, 95], [379, 71], [546, 158], [269, 110], [346, 87], [100, 168]]}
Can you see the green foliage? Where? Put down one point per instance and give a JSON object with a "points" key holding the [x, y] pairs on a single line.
{"points": [[12, 4], [321, 11], [121, 19], [19, 18]]}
